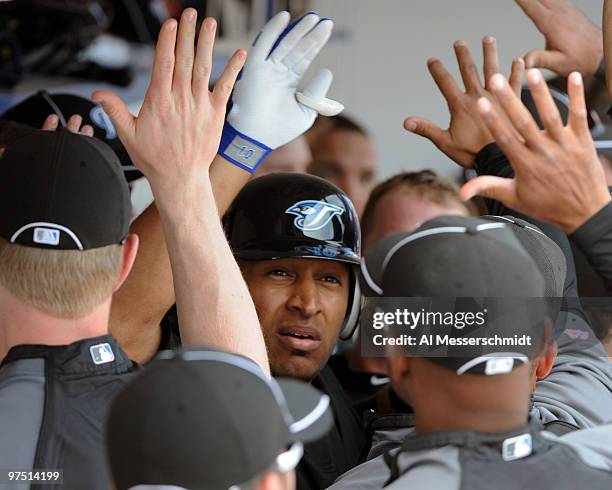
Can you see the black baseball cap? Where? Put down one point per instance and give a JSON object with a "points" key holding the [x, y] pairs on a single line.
{"points": [[33, 111], [60, 190], [206, 419], [546, 254], [454, 262]]}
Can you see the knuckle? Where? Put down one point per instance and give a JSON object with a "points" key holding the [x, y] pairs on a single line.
{"points": [[166, 65]]}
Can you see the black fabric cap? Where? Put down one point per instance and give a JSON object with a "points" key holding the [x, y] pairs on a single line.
{"points": [[60, 190], [459, 259], [543, 250], [204, 419], [34, 110]]}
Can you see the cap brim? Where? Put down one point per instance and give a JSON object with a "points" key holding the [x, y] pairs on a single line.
{"points": [[309, 408]]}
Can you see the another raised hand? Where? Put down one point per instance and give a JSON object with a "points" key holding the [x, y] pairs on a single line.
{"points": [[573, 42], [268, 107], [558, 177], [176, 134], [173, 142], [466, 134]]}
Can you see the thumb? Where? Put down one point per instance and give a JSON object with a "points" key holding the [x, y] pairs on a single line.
{"points": [[497, 188], [552, 60], [314, 93], [119, 114], [427, 129]]}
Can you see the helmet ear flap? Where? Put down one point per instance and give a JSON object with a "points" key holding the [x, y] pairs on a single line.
{"points": [[351, 321]]}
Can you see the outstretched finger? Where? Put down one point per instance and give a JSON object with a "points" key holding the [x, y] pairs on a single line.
{"points": [[517, 75], [202, 66], [428, 129], [163, 64], [266, 38], [120, 116], [225, 83], [444, 80], [467, 67], [502, 131], [534, 10], [577, 117], [545, 105], [490, 59], [491, 187], [184, 56], [292, 35], [517, 113]]}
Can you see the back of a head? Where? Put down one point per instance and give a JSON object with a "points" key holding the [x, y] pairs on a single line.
{"points": [[453, 265], [183, 423], [469, 279], [64, 213], [423, 186]]}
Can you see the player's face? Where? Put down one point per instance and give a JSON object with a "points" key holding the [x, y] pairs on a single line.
{"points": [[347, 159], [301, 304]]}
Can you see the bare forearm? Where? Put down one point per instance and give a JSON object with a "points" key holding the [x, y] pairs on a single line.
{"points": [[227, 180], [140, 304], [213, 302]]}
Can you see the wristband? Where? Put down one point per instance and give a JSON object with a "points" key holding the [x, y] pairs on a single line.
{"points": [[242, 151]]}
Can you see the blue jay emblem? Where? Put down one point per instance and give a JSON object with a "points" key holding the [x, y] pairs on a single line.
{"points": [[313, 215]]}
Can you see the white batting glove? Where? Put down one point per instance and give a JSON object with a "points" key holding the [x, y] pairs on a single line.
{"points": [[267, 109]]}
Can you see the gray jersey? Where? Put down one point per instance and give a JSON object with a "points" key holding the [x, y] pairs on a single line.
{"points": [[577, 391], [524, 459], [53, 405]]}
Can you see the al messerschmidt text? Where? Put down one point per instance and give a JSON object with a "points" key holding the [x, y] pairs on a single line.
{"points": [[430, 339]]}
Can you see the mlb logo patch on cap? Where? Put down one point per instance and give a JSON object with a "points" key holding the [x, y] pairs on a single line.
{"points": [[102, 353], [46, 236]]}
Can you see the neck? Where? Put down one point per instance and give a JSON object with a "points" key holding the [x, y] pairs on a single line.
{"points": [[477, 421], [22, 324], [478, 403]]}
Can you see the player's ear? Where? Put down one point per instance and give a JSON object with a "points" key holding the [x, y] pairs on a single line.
{"points": [[130, 248]]}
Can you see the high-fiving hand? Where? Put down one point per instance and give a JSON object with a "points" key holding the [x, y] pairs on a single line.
{"points": [[268, 107], [573, 42], [558, 176], [466, 134], [176, 134]]}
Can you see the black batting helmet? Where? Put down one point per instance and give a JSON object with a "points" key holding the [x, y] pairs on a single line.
{"points": [[291, 215]]}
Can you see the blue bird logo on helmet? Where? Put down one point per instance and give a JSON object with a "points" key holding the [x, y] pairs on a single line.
{"points": [[313, 215]]}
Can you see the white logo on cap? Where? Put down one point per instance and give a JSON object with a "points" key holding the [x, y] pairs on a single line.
{"points": [[517, 447], [46, 236], [102, 353], [499, 365]]}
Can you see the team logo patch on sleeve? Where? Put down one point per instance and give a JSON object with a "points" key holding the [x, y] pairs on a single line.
{"points": [[313, 215], [102, 353]]}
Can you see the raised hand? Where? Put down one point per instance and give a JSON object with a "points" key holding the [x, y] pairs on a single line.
{"points": [[573, 43], [558, 176], [268, 108], [466, 134], [176, 134]]}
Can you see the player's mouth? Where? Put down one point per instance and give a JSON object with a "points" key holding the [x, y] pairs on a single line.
{"points": [[295, 337]]}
